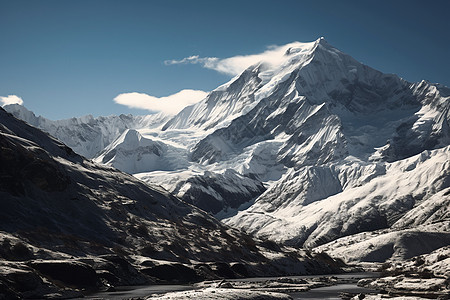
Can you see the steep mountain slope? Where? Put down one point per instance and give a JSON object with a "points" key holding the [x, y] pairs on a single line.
{"points": [[79, 224]]}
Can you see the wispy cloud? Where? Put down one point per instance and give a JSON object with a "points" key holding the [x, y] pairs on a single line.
{"points": [[171, 104], [236, 64], [11, 99]]}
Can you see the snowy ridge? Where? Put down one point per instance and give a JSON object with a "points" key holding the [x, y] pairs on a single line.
{"points": [[87, 135], [242, 93], [133, 153], [395, 245], [334, 212]]}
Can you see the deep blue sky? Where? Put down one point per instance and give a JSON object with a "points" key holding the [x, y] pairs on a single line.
{"points": [[71, 58]]}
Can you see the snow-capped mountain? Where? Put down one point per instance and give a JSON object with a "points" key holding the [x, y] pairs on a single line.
{"points": [[305, 151], [342, 148], [324, 106], [133, 153]]}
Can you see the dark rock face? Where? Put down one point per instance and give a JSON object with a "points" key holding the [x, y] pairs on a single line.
{"points": [[239, 269], [223, 270], [17, 251], [173, 273], [73, 274], [179, 273], [19, 281], [116, 270], [21, 168], [24, 281]]}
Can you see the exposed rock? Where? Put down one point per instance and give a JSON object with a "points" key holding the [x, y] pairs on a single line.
{"points": [[223, 294], [427, 276], [70, 273], [172, 273]]}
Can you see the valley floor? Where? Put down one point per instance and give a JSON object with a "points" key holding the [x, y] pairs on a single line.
{"points": [[250, 288], [365, 285]]}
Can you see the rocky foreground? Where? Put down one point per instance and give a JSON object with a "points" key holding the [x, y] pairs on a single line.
{"points": [[250, 288], [421, 277], [410, 284], [425, 276]]}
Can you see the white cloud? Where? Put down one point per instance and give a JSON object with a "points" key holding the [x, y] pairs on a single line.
{"points": [[11, 99], [236, 64], [171, 104]]}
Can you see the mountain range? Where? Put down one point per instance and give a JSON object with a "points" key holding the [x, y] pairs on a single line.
{"points": [[314, 151]]}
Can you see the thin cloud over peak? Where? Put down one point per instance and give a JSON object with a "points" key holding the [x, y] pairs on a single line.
{"points": [[171, 104], [11, 99], [236, 64]]}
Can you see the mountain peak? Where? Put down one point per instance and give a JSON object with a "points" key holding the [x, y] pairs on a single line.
{"points": [[131, 136], [321, 40], [301, 47], [22, 113]]}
